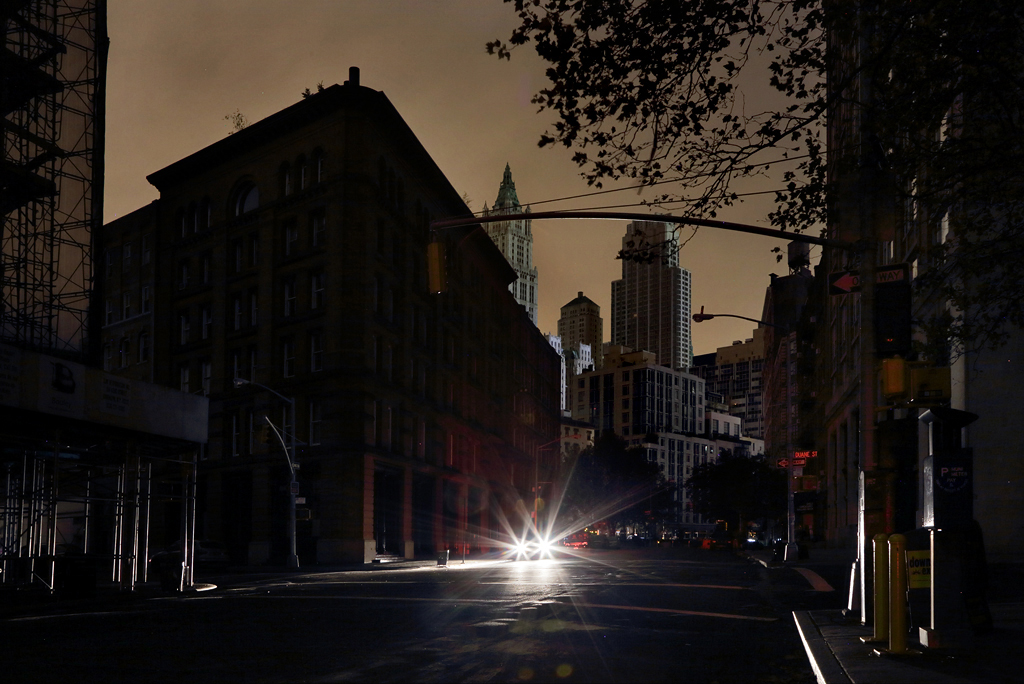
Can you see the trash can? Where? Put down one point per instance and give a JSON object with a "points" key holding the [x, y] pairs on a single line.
{"points": [[442, 558]]}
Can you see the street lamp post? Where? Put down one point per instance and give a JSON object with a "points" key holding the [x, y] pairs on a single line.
{"points": [[792, 548], [293, 557]]}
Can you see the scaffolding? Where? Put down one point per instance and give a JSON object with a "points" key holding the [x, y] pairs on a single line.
{"points": [[76, 517], [52, 90]]}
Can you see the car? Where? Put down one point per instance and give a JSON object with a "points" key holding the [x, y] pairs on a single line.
{"points": [[576, 541], [533, 547]]}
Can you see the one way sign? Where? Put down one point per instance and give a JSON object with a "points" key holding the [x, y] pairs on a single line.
{"points": [[845, 282]]}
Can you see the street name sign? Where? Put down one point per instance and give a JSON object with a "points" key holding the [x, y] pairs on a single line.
{"points": [[845, 282]]}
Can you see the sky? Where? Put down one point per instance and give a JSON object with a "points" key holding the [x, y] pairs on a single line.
{"points": [[178, 67]]}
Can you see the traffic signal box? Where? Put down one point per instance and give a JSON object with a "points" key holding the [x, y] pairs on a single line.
{"points": [[914, 384], [437, 269], [892, 318]]}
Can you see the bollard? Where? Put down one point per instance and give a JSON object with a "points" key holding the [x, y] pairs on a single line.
{"points": [[898, 594], [881, 594]]}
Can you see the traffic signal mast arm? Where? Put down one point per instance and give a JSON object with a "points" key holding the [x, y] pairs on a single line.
{"points": [[629, 216]]}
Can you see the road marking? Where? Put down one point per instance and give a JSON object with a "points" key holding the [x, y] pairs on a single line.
{"points": [[613, 583], [818, 583], [677, 612], [575, 604]]}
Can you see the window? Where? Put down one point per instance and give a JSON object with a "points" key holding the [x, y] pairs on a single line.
{"points": [[316, 352], [126, 256], [236, 434], [109, 312], [183, 378], [250, 423], [291, 238], [207, 375], [206, 269], [253, 309], [147, 248], [247, 199], [303, 173], [182, 275], [143, 347], [108, 357], [318, 228], [316, 299], [289, 298], [236, 248], [286, 180], [126, 305], [207, 322], [318, 165], [288, 352], [125, 352], [236, 313], [146, 306], [183, 327], [315, 421], [252, 362], [236, 364], [254, 249]]}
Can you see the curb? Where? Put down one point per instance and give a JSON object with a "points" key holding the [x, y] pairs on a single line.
{"points": [[827, 669]]}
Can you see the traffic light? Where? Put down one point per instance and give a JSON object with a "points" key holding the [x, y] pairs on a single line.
{"points": [[892, 319], [436, 268]]}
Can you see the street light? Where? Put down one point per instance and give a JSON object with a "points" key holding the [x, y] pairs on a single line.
{"points": [[791, 546], [293, 557]]}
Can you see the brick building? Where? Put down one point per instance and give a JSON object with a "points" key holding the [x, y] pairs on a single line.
{"points": [[292, 255]]}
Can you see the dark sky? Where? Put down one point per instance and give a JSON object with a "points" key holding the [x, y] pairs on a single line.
{"points": [[177, 67]]}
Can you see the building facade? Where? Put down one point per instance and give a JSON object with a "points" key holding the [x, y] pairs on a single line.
{"points": [[515, 240], [735, 373], [656, 408], [288, 275], [651, 302], [580, 323]]}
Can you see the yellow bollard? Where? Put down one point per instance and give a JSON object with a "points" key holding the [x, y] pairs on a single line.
{"points": [[898, 593], [881, 594]]}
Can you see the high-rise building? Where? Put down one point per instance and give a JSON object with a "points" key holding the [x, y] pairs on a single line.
{"points": [[580, 323], [655, 408], [734, 372], [651, 303], [515, 240]]}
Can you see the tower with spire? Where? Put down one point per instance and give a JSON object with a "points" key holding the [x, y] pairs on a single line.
{"points": [[515, 240]]}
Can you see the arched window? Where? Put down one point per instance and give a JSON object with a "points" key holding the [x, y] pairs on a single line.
{"points": [[193, 217], [302, 171], [247, 198], [181, 221]]}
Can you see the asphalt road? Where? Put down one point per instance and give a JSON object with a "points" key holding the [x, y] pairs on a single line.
{"points": [[611, 616]]}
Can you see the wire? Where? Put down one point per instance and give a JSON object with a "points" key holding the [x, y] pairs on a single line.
{"points": [[650, 185]]}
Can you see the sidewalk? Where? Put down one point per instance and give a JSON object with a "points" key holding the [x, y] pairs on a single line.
{"points": [[838, 655]]}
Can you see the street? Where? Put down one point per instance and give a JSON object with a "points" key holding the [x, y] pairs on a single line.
{"points": [[616, 616]]}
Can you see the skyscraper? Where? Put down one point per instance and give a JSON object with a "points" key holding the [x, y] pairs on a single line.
{"points": [[651, 303], [580, 323], [515, 240]]}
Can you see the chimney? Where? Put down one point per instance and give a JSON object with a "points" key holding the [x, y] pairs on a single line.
{"points": [[580, 293], [353, 76]]}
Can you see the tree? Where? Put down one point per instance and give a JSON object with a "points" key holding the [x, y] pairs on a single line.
{"points": [[237, 120], [611, 482], [737, 489], [670, 94]]}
